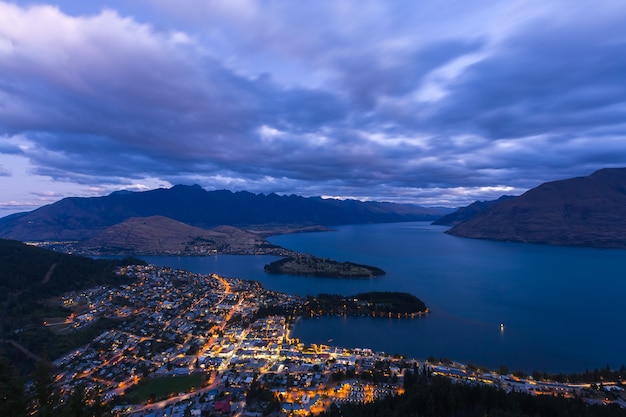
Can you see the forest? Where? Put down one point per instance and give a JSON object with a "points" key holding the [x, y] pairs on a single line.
{"points": [[309, 265], [440, 397], [29, 277], [377, 303], [37, 273]]}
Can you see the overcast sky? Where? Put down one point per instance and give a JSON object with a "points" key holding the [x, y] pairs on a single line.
{"points": [[438, 102]]}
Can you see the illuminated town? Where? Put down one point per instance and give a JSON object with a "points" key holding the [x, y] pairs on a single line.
{"points": [[217, 339]]}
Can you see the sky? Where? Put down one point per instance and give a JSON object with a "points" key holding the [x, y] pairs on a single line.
{"points": [[426, 102]]}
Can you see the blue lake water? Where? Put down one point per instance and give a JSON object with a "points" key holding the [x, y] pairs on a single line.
{"points": [[562, 308]]}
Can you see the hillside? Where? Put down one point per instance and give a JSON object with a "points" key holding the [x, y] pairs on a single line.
{"points": [[41, 273], [585, 211], [465, 213], [29, 277], [78, 218], [161, 235]]}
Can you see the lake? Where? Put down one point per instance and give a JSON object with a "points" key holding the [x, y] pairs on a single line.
{"points": [[562, 308]]}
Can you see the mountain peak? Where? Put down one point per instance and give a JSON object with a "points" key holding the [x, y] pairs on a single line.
{"points": [[194, 187], [582, 211]]}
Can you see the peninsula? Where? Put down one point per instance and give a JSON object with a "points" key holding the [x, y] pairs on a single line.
{"points": [[376, 304]]}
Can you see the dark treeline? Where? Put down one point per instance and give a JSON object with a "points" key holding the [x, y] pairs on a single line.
{"points": [[595, 376], [42, 400], [370, 303], [261, 399], [439, 397]]}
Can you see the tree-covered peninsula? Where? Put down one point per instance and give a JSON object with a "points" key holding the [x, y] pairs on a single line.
{"points": [[394, 304], [309, 265]]}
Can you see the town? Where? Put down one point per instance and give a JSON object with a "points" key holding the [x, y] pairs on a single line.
{"points": [[200, 345]]}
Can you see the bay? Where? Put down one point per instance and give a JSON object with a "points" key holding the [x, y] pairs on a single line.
{"points": [[562, 308]]}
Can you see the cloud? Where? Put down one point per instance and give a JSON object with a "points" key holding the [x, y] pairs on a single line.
{"points": [[8, 148], [548, 78], [368, 99], [18, 205], [106, 88]]}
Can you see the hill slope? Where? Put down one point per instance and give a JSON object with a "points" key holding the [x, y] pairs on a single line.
{"points": [[465, 213], [585, 211], [41, 272], [161, 235], [81, 218]]}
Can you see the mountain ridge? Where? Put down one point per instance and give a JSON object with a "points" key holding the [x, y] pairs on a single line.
{"points": [[463, 214], [585, 211], [80, 218]]}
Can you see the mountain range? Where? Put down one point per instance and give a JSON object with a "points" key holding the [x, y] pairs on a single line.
{"points": [[584, 211], [78, 218]]}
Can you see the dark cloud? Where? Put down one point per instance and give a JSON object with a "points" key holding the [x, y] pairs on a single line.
{"points": [[546, 79], [374, 73], [376, 101]]}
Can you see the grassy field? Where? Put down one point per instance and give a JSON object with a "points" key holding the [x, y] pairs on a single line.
{"points": [[163, 387]]}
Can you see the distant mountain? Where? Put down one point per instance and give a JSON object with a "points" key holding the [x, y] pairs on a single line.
{"points": [[158, 235], [78, 218], [465, 213], [585, 211]]}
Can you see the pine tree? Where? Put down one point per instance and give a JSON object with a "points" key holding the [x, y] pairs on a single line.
{"points": [[12, 400], [44, 393]]}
